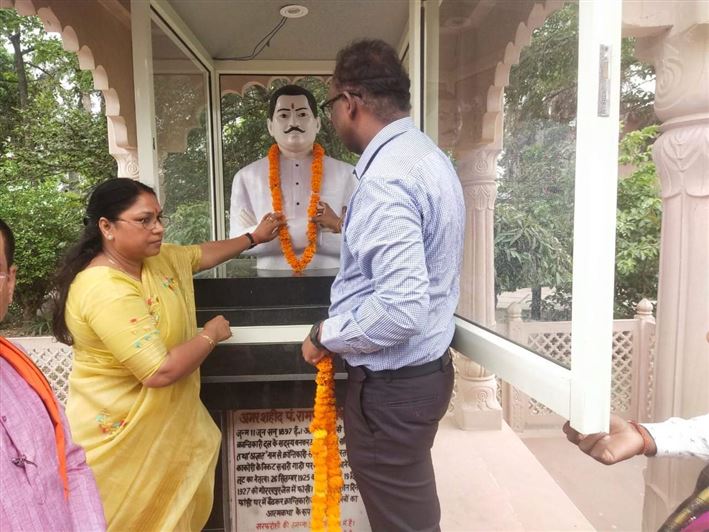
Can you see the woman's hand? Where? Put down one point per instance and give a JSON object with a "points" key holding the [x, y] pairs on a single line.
{"points": [[185, 358], [217, 329], [327, 218], [269, 226]]}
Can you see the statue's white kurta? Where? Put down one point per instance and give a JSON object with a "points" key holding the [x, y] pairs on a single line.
{"points": [[251, 200]]}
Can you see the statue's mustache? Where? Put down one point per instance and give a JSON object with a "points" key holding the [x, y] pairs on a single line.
{"points": [[294, 128]]}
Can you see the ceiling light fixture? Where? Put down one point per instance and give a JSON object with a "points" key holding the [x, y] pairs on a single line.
{"points": [[294, 11]]}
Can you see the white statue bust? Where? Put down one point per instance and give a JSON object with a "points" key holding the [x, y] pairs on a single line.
{"points": [[291, 165]]}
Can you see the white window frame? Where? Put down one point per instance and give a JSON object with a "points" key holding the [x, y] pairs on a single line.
{"points": [[163, 15]]}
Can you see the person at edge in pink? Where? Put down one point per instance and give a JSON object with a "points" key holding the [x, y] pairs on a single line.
{"points": [[44, 480]]}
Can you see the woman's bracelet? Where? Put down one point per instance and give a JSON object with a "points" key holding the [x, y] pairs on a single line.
{"points": [[207, 337]]}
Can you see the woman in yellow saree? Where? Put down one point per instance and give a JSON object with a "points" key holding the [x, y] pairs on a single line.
{"points": [[126, 303]]}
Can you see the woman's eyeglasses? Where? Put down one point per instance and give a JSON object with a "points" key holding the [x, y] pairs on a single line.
{"points": [[149, 222]]}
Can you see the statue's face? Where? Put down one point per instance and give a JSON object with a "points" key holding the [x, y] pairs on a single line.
{"points": [[293, 125]]}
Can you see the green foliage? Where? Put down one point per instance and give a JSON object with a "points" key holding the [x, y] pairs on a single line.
{"points": [[187, 223], [527, 253], [534, 214], [53, 149], [637, 225], [45, 220]]}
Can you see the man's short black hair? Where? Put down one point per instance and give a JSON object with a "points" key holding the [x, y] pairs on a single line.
{"points": [[292, 90], [372, 68], [9, 239]]}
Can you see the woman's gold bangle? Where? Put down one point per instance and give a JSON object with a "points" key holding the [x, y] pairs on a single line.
{"points": [[206, 337]]}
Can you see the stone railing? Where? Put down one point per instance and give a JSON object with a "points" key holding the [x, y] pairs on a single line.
{"points": [[53, 358], [632, 379]]}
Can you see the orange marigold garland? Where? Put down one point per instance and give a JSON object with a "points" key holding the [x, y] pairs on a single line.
{"points": [[327, 482], [274, 181]]}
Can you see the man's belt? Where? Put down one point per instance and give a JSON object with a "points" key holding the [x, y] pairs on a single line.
{"points": [[408, 372]]}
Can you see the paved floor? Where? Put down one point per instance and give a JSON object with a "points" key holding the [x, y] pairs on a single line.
{"points": [[490, 481], [610, 497]]}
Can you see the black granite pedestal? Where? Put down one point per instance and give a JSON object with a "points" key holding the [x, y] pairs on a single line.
{"points": [[264, 375]]}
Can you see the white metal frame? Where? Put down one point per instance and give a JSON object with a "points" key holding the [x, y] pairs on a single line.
{"points": [[594, 217], [582, 393], [144, 92]]}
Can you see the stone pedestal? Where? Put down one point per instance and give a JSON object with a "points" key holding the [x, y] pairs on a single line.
{"points": [[260, 379]]}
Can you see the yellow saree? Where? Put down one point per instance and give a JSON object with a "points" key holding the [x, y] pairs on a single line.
{"points": [[153, 450]]}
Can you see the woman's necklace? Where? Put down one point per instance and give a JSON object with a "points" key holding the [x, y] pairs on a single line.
{"points": [[118, 266]]}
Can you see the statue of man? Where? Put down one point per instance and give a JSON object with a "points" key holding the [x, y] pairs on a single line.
{"points": [[292, 165]]}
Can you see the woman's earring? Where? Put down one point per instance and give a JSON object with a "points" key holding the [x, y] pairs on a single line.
{"points": [[110, 237]]}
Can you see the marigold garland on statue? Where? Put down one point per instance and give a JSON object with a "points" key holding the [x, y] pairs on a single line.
{"points": [[327, 482], [274, 181]]}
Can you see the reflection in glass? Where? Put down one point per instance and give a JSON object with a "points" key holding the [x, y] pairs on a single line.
{"points": [[180, 86]]}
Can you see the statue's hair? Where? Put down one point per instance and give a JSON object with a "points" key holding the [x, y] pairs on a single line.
{"points": [[292, 90]]}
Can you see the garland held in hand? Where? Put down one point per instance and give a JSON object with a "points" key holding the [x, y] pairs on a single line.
{"points": [[274, 181], [327, 483]]}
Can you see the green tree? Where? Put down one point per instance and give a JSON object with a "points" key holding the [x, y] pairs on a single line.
{"points": [[53, 149], [637, 224], [536, 184]]}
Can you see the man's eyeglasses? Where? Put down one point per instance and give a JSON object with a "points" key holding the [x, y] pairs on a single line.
{"points": [[3, 276], [326, 106], [149, 222]]}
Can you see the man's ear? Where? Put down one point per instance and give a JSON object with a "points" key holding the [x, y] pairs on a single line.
{"points": [[318, 125], [351, 107], [269, 125], [12, 276]]}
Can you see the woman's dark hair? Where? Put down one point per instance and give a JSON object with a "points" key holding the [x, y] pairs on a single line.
{"points": [[108, 200], [372, 68], [292, 90]]}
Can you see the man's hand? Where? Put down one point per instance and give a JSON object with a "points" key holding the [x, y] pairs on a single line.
{"points": [[326, 218], [311, 354], [622, 442]]}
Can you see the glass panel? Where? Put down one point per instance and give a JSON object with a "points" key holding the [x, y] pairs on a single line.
{"points": [[181, 123], [245, 139], [534, 208]]}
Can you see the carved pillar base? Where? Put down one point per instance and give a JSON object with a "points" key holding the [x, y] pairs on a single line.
{"points": [[476, 406]]}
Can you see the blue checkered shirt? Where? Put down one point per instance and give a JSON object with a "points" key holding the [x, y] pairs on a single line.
{"points": [[398, 286]]}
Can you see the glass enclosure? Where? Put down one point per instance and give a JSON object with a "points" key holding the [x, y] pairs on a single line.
{"points": [[245, 138], [535, 171], [181, 87]]}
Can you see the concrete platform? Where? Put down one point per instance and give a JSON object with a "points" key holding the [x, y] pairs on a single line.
{"points": [[489, 480], [610, 497]]}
